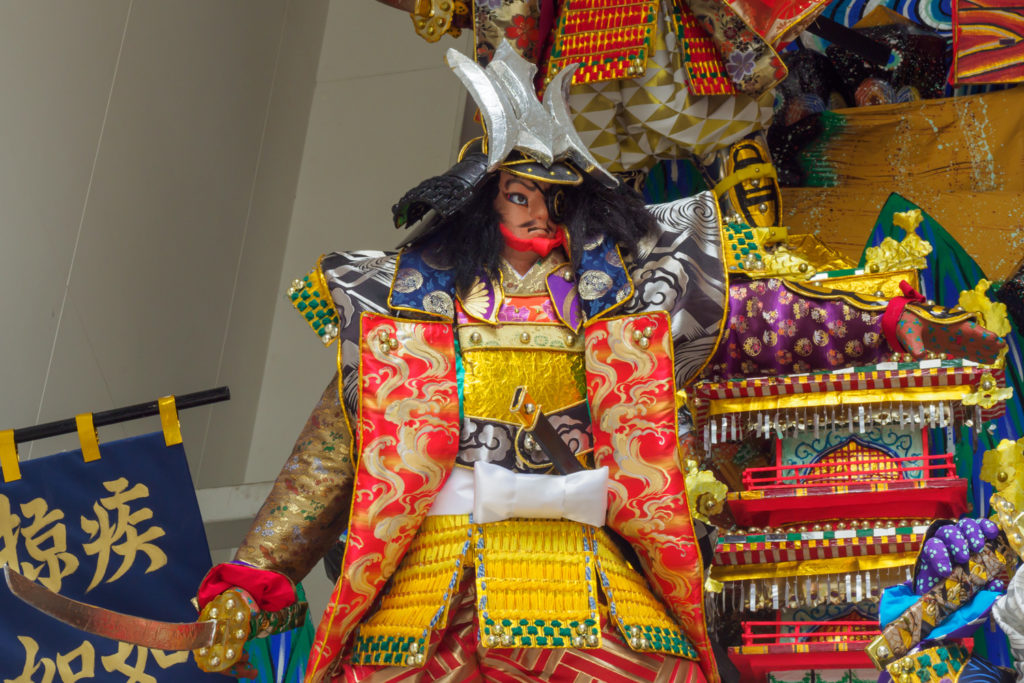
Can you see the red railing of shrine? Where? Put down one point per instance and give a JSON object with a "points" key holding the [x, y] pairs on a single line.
{"points": [[858, 470], [788, 632]]}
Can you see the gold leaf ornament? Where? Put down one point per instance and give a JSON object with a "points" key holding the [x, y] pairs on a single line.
{"points": [[1010, 520], [785, 263], [999, 468], [992, 315], [704, 493], [910, 252], [908, 220], [988, 394]]}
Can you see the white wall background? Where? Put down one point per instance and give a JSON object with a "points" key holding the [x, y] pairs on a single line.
{"points": [[386, 114], [150, 156], [158, 190]]}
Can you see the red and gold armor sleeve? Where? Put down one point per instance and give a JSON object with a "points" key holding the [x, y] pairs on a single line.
{"points": [[307, 509]]}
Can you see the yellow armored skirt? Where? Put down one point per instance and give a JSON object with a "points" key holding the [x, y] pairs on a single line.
{"points": [[539, 583]]}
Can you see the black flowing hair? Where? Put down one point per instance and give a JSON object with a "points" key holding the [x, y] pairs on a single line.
{"points": [[472, 242]]}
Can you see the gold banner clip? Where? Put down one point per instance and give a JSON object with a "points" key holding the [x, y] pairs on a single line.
{"points": [[169, 420], [87, 439], [9, 456]]}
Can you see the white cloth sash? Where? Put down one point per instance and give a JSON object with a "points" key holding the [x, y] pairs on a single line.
{"points": [[493, 493]]}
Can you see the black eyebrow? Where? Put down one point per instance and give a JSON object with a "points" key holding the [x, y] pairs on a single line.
{"points": [[523, 181]]}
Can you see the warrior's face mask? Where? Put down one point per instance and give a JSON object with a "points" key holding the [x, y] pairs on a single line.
{"points": [[530, 213]]}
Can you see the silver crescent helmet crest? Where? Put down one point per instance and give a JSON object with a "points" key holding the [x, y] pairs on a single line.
{"points": [[515, 120]]}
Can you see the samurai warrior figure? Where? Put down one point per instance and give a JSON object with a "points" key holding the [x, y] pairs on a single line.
{"points": [[500, 447]]}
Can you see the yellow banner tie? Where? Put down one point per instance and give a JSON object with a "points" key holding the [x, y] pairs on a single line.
{"points": [[169, 420], [87, 439], [9, 456]]}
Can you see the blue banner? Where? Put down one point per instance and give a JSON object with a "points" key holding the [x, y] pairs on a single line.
{"points": [[122, 532]]}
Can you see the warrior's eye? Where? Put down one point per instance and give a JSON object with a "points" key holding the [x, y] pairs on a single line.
{"points": [[517, 198]]}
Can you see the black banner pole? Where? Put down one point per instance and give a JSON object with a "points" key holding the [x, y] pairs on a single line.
{"points": [[125, 414]]}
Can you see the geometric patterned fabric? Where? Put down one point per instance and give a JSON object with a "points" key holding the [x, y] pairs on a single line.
{"points": [[633, 123]]}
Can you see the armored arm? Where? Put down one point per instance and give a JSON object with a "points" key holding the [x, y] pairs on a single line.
{"points": [[307, 509]]}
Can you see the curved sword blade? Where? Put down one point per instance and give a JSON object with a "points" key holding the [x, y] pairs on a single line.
{"points": [[103, 622]]}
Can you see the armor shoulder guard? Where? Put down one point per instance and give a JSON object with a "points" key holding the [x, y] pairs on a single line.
{"points": [[310, 296], [341, 286], [679, 269]]}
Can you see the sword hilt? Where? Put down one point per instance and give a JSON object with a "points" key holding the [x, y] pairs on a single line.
{"points": [[540, 433], [232, 610], [239, 620], [524, 408]]}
